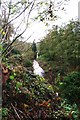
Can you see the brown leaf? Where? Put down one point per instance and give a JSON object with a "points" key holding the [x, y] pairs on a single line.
{"points": [[44, 103], [5, 73]]}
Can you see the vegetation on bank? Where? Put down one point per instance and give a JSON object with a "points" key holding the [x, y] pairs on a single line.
{"points": [[26, 96], [57, 95]]}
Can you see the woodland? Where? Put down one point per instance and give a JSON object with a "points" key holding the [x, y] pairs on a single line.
{"points": [[24, 95]]}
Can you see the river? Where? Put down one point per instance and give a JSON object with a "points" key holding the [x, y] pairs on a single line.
{"points": [[37, 69]]}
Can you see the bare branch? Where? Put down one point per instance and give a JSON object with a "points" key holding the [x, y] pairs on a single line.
{"points": [[13, 41], [7, 48], [6, 54], [30, 10], [15, 111], [17, 15]]}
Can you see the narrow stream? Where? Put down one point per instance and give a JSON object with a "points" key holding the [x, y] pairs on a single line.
{"points": [[37, 69]]}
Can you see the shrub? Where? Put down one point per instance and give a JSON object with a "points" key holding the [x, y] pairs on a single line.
{"points": [[28, 63], [70, 88]]}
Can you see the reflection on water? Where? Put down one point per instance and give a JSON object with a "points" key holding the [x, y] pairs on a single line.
{"points": [[37, 69]]}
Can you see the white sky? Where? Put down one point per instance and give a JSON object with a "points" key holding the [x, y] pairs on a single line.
{"points": [[40, 29]]}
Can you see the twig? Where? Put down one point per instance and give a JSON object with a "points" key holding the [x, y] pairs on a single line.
{"points": [[6, 33], [13, 41], [24, 114], [17, 16], [21, 112], [30, 11], [20, 33], [25, 40], [15, 111]]}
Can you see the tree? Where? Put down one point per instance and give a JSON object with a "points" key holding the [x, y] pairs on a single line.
{"points": [[23, 10], [34, 49], [70, 90], [62, 46]]}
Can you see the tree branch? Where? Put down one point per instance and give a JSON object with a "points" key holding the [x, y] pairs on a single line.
{"points": [[17, 15], [15, 111], [21, 33]]}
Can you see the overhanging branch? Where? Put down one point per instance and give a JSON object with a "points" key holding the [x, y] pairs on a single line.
{"points": [[17, 15], [7, 48]]}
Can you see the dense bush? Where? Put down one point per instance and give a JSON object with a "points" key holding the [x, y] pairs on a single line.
{"points": [[70, 87], [32, 97], [61, 46], [27, 63], [71, 110]]}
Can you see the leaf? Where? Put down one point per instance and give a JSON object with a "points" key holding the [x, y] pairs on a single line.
{"points": [[3, 33], [45, 103], [14, 74], [18, 85], [4, 111], [11, 77]]}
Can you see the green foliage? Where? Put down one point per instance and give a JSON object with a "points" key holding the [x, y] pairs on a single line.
{"points": [[27, 96], [31, 95], [62, 46], [39, 87], [34, 48], [70, 88], [17, 86], [73, 109], [11, 77], [4, 112], [27, 63], [25, 50], [15, 51], [1, 48]]}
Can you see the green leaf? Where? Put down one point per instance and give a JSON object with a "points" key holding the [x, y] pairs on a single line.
{"points": [[4, 112], [11, 77], [14, 74]]}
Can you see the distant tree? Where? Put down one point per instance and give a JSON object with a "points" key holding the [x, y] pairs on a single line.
{"points": [[22, 10], [34, 49], [70, 89], [62, 45]]}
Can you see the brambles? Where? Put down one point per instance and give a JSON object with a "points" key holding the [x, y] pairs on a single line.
{"points": [[70, 91], [70, 87], [30, 97]]}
